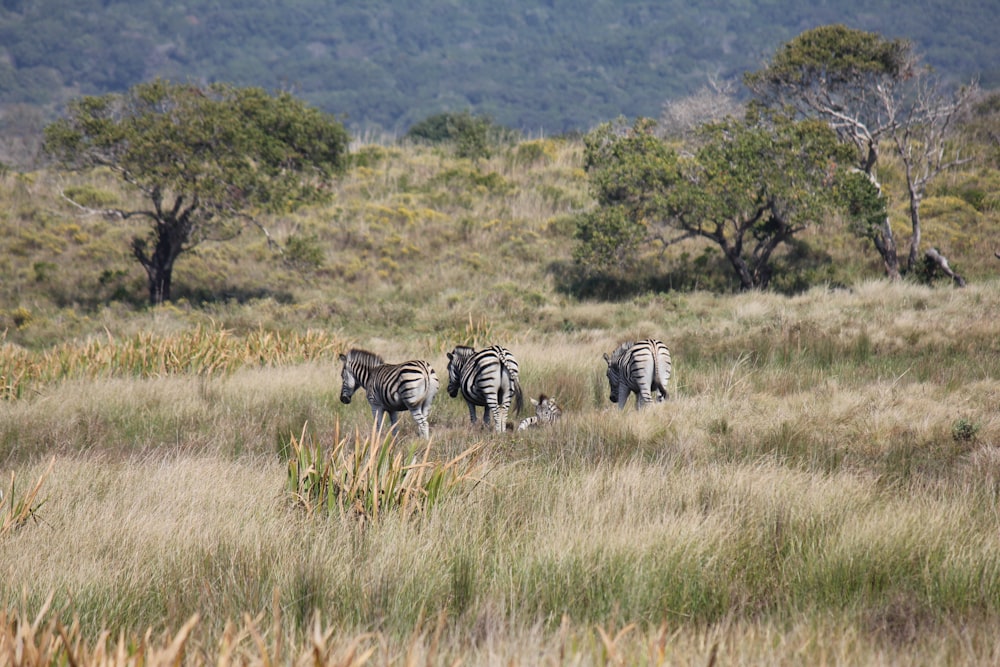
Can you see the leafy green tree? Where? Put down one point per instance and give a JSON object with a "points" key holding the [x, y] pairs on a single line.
{"points": [[749, 187], [205, 158], [868, 89], [631, 171]]}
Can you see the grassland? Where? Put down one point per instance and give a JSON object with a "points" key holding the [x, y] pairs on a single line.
{"points": [[822, 486]]}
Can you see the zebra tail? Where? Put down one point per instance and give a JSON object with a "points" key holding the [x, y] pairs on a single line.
{"points": [[657, 378], [518, 394], [515, 386]]}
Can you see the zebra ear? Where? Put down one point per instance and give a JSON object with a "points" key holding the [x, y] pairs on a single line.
{"points": [[534, 402], [450, 356], [607, 358], [343, 357]]}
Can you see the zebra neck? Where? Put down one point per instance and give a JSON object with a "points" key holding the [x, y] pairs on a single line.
{"points": [[363, 374]]}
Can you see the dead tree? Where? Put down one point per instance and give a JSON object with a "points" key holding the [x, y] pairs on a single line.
{"points": [[936, 260]]}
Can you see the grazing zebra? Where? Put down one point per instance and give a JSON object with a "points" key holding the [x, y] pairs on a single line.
{"points": [[487, 378], [390, 388], [546, 412], [639, 366]]}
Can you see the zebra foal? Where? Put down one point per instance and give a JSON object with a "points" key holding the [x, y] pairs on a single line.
{"points": [[487, 378], [639, 367], [390, 388], [546, 412]]}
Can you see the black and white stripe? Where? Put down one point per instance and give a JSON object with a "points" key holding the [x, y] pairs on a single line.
{"points": [[546, 412], [639, 367], [390, 388], [487, 378]]}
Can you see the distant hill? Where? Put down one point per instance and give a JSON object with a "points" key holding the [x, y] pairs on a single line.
{"points": [[548, 66]]}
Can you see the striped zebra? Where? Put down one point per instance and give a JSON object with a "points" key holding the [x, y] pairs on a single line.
{"points": [[486, 378], [546, 412], [390, 388], [639, 366]]}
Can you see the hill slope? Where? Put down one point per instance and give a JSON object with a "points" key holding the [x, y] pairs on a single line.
{"points": [[553, 66]]}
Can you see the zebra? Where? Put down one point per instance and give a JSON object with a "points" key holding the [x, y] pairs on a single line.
{"points": [[546, 412], [639, 366], [390, 388], [488, 378]]}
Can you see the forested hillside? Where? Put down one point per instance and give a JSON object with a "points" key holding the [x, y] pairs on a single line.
{"points": [[549, 67]]}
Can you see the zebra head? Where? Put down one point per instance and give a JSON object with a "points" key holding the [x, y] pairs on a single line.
{"points": [[546, 409], [614, 369], [456, 362], [613, 378], [355, 372]]}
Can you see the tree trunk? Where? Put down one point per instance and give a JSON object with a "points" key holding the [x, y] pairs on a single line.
{"points": [[935, 258], [885, 243], [159, 284], [911, 261], [170, 236], [739, 265]]}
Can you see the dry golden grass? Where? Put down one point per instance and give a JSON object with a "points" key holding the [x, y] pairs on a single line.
{"points": [[820, 489]]}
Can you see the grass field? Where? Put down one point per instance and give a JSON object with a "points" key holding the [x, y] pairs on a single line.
{"points": [[183, 486], [822, 488]]}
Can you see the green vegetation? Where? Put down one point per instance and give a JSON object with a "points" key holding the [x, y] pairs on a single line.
{"points": [[203, 158], [473, 137], [368, 477], [750, 186], [553, 67], [878, 96]]}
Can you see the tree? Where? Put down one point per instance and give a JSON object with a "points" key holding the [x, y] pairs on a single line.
{"points": [[866, 88], [921, 129], [749, 187], [205, 159]]}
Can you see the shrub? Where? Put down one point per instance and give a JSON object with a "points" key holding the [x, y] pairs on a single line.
{"points": [[474, 137], [367, 476], [964, 430], [18, 511]]}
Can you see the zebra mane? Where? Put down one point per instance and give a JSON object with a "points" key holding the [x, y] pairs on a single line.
{"points": [[622, 349], [364, 358], [462, 353]]}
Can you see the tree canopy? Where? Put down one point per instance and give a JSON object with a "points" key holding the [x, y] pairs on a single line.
{"points": [[750, 185], [868, 89], [205, 158]]}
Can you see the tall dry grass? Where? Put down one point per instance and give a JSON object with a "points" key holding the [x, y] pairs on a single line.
{"points": [[821, 487]]}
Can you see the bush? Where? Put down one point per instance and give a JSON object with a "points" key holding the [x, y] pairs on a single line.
{"points": [[474, 137], [964, 430]]}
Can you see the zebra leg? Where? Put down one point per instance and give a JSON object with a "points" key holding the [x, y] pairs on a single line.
{"points": [[643, 397], [623, 393], [504, 412], [472, 413], [420, 416], [377, 414], [492, 415]]}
